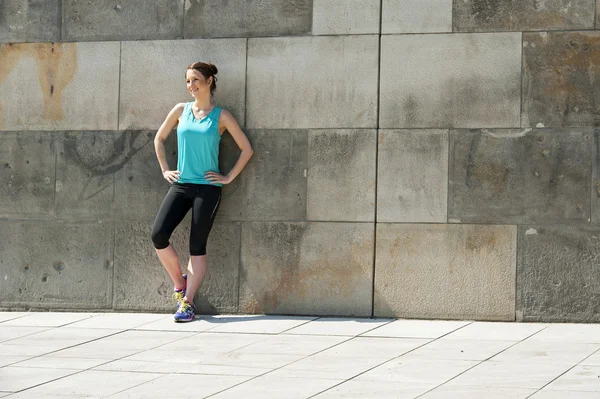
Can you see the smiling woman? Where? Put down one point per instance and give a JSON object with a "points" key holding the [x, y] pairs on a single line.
{"points": [[197, 181]]}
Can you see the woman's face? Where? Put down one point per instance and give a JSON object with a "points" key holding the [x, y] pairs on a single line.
{"points": [[197, 85]]}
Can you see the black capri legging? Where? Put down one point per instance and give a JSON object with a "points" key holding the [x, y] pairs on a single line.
{"points": [[204, 200]]}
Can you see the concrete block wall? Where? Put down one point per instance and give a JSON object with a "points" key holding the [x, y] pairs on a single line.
{"points": [[413, 158]]}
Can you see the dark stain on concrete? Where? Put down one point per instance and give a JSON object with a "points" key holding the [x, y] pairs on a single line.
{"points": [[124, 147]]}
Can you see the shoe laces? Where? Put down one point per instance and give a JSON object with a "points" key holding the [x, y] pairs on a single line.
{"points": [[185, 307]]}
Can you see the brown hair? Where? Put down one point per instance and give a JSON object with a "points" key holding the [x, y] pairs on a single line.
{"points": [[207, 70]]}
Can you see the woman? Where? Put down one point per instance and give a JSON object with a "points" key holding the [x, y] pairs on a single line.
{"points": [[197, 182]]}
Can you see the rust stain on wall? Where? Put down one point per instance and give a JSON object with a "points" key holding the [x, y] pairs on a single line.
{"points": [[56, 66]]}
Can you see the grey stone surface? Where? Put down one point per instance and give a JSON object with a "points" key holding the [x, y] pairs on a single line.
{"points": [[416, 16], [528, 176], [27, 169], [247, 18], [560, 79], [445, 271], [164, 62], [341, 175], [312, 82], [345, 17], [307, 268], [110, 175], [59, 86], [141, 282], [460, 80], [122, 20], [412, 181], [557, 273], [506, 15], [53, 264], [596, 177], [273, 184], [139, 184], [29, 21]]}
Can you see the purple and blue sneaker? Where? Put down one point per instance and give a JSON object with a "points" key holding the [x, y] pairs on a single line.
{"points": [[186, 312], [178, 295]]}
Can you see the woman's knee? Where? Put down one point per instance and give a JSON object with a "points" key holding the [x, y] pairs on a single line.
{"points": [[160, 239]]}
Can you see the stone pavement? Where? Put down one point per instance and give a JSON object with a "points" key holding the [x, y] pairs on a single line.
{"points": [[116, 355]]}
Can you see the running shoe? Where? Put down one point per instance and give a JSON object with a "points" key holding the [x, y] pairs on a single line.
{"points": [[186, 312], [178, 295]]}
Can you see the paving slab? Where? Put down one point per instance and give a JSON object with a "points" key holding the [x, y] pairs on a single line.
{"points": [[338, 326], [496, 331], [203, 386], [50, 319], [273, 387], [91, 383], [416, 328], [14, 379]]}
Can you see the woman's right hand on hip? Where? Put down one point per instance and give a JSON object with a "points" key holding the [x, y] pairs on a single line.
{"points": [[171, 175]]}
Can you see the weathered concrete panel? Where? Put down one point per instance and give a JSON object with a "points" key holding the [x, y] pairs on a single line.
{"points": [[512, 176], [141, 282], [247, 18], [412, 176], [139, 185], [53, 264], [145, 106], [345, 17], [27, 169], [558, 274], [29, 21], [507, 15], [84, 179], [126, 20], [461, 80], [341, 175], [307, 268], [416, 16], [445, 271], [312, 82], [272, 186], [561, 71], [596, 177], [59, 86]]}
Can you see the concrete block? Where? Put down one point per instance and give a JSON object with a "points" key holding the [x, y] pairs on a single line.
{"points": [[139, 185], [216, 18], [27, 169], [341, 175], [345, 17], [560, 75], [164, 62], [461, 80], [272, 186], [445, 271], [596, 177], [141, 282], [416, 16], [59, 86], [557, 273], [29, 21], [307, 268], [312, 82], [54, 264], [125, 20], [412, 176], [505, 15], [527, 176]]}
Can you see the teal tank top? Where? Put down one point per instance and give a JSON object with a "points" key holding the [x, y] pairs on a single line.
{"points": [[198, 146]]}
